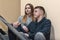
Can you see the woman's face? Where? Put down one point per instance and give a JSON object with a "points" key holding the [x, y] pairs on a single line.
{"points": [[37, 13], [28, 9]]}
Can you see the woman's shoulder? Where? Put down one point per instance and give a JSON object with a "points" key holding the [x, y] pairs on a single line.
{"points": [[20, 17]]}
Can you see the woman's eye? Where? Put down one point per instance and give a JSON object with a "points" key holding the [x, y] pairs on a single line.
{"points": [[29, 8]]}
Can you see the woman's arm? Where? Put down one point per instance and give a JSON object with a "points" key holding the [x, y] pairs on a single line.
{"points": [[17, 23]]}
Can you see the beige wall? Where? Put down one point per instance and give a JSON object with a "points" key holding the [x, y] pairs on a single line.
{"points": [[53, 12], [10, 10]]}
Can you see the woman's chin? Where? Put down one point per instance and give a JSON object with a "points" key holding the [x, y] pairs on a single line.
{"points": [[35, 16]]}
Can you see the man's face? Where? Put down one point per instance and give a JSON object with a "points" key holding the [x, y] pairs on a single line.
{"points": [[37, 12]]}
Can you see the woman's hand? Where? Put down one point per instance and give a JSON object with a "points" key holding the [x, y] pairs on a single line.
{"points": [[16, 24], [25, 28]]}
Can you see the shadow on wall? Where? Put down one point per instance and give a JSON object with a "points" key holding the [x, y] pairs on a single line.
{"points": [[52, 35]]}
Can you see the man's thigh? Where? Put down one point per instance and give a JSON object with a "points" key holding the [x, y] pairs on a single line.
{"points": [[39, 36]]}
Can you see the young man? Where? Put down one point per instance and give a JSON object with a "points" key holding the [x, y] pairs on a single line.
{"points": [[40, 29]]}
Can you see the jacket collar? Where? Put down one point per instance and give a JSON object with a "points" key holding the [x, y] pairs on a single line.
{"points": [[41, 20]]}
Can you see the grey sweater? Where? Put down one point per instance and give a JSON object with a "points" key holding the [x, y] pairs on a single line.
{"points": [[29, 20]]}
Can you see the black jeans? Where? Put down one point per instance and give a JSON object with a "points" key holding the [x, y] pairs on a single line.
{"points": [[12, 36]]}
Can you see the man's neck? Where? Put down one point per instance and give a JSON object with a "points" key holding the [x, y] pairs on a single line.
{"points": [[39, 18]]}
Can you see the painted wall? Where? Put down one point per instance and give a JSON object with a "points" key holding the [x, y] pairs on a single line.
{"points": [[10, 10], [53, 12]]}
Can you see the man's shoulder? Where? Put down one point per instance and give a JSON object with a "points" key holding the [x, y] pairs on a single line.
{"points": [[48, 20]]}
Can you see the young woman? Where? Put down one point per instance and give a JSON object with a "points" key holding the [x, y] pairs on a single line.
{"points": [[23, 21], [26, 19]]}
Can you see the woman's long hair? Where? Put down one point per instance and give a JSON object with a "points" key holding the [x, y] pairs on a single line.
{"points": [[25, 16]]}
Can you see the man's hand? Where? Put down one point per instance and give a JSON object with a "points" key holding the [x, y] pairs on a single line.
{"points": [[25, 28], [27, 34]]}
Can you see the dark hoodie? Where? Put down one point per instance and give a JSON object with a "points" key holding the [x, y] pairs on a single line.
{"points": [[43, 26]]}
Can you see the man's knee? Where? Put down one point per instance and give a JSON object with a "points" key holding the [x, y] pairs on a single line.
{"points": [[39, 36]]}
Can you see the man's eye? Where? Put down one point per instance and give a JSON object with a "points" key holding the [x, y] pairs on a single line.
{"points": [[25, 8], [35, 11]]}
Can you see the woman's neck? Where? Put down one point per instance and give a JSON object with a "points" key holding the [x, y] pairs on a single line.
{"points": [[29, 15]]}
